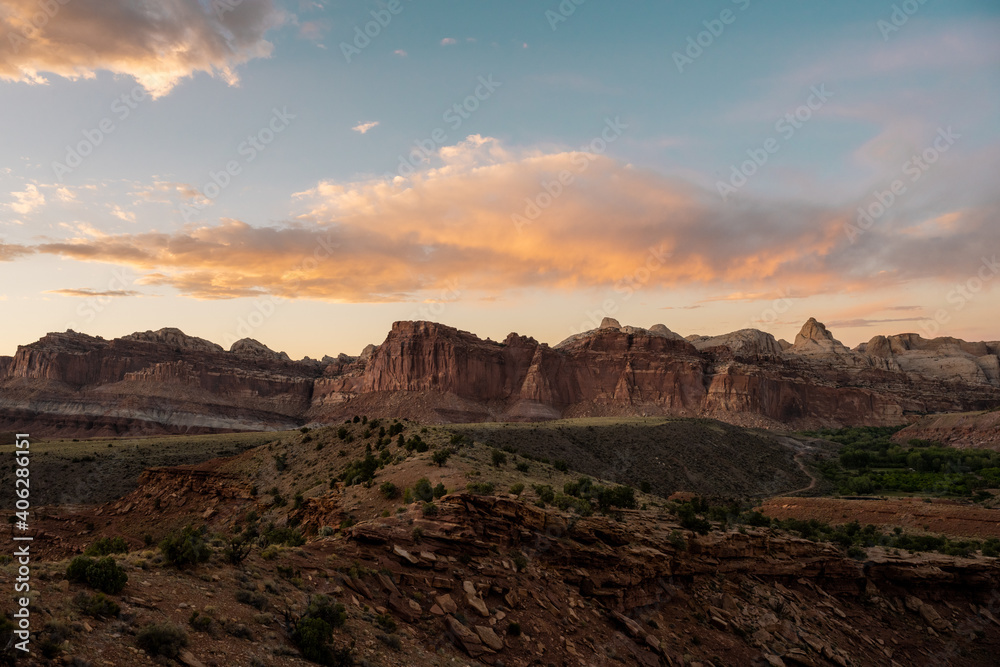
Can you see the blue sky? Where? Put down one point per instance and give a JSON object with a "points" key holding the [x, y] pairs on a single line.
{"points": [[441, 243]]}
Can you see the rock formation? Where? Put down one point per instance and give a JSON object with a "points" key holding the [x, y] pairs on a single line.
{"points": [[72, 383]]}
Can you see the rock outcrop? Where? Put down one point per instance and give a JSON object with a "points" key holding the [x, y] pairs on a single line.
{"points": [[73, 383]]}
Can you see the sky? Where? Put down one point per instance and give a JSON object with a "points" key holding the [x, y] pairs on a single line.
{"points": [[305, 173]]}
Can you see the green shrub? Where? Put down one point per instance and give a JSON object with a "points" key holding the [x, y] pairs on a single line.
{"points": [[388, 490], [77, 569], [441, 456], [187, 547], [106, 546], [386, 622], [97, 605], [423, 490], [201, 622], [430, 509], [252, 598], [517, 489], [360, 471], [164, 639], [287, 535], [499, 458], [522, 466], [560, 465], [480, 488], [313, 632], [440, 491], [545, 492], [618, 496], [107, 576]]}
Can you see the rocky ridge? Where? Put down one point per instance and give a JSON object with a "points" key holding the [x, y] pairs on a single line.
{"points": [[71, 383]]}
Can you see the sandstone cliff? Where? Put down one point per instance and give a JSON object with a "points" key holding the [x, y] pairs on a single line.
{"points": [[71, 383]]}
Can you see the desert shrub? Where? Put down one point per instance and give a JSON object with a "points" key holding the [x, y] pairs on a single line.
{"points": [[430, 509], [441, 456], [386, 622], [560, 465], [188, 547], [77, 569], [388, 490], [286, 535], [440, 491], [618, 496], [97, 605], [360, 471], [480, 488], [690, 521], [517, 489], [522, 466], [201, 622], [499, 458], [107, 576], [580, 505], [313, 632], [236, 629], [238, 547], [252, 598], [106, 546], [164, 639], [545, 492], [571, 488], [423, 490]]}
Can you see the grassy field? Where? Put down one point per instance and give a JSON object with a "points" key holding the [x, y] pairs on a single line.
{"points": [[70, 472]]}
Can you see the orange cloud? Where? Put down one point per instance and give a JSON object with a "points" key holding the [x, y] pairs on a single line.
{"points": [[498, 219], [157, 43]]}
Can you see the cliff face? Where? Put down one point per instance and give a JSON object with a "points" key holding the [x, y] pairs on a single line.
{"points": [[164, 381], [433, 372], [167, 381]]}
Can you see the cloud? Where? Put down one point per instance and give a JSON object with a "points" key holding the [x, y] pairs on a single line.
{"points": [[10, 252], [401, 53], [857, 323], [364, 127], [28, 200], [501, 219], [157, 42], [87, 292], [122, 214], [448, 41]]}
